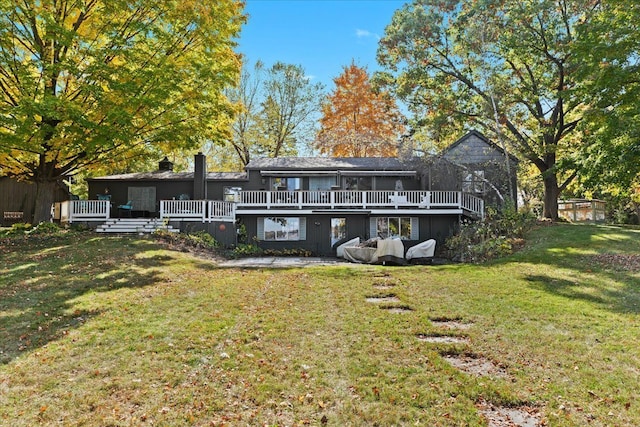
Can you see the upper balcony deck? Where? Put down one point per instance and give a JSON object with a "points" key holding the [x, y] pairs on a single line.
{"points": [[279, 201]]}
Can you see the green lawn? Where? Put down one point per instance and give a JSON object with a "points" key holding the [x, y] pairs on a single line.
{"points": [[99, 331]]}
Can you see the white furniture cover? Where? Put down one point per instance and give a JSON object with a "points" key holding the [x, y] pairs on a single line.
{"points": [[340, 249], [359, 254], [385, 249], [425, 249]]}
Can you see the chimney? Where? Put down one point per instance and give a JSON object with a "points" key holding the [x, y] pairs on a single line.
{"points": [[200, 177], [165, 165]]}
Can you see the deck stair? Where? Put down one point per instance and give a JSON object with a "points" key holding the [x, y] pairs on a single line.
{"points": [[134, 225]]}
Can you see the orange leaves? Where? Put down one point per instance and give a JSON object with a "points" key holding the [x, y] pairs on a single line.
{"points": [[357, 120]]}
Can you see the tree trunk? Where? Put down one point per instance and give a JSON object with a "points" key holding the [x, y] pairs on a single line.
{"points": [[551, 193], [45, 195]]}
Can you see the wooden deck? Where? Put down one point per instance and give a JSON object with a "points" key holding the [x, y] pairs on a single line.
{"points": [[273, 201]]}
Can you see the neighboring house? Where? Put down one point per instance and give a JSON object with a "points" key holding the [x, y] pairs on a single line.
{"points": [[306, 203], [18, 199]]}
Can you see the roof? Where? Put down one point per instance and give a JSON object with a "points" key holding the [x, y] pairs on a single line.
{"points": [[480, 136], [327, 163], [171, 176]]}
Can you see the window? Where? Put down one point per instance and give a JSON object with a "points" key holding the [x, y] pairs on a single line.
{"points": [[405, 228], [338, 230], [232, 194], [321, 182], [362, 183], [290, 184], [281, 229], [473, 182]]}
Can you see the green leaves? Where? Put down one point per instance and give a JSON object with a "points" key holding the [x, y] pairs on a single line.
{"points": [[608, 48], [278, 108], [505, 67]]}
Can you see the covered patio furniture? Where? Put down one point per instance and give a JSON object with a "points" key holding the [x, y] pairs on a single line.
{"points": [[390, 251], [376, 251], [361, 254], [340, 249], [422, 253]]}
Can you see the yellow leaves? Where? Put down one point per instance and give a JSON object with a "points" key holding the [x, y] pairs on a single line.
{"points": [[107, 74]]}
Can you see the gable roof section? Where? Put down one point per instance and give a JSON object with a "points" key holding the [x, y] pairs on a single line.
{"points": [[468, 149], [327, 163]]}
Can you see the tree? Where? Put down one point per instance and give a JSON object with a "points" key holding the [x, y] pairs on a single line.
{"points": [[278, 111], [505, 66], [245, 136], [289, 106], [608, 49], [89, 82], [357, 120]]}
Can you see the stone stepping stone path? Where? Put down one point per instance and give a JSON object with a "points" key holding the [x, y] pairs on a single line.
{"points": [[452, 324], [499, 416], [442, 339], [469, 363], [390, 302], [476, 365], [496, 416], [397, 309], [381, 299]]}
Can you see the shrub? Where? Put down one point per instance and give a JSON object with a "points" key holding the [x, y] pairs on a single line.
{"points": [[498, 235], [288, 252], [20, 228], [202, 239], [45, 228], [199, 239], [245, 250]]}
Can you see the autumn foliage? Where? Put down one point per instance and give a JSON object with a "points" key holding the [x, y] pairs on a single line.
{"points": [[357, 120]]}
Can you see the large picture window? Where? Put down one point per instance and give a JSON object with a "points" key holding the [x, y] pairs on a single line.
{"points": [[281, 229], [405, 228]]}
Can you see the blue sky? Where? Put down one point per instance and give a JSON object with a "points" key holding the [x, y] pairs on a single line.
{"points": [[321, 35]]}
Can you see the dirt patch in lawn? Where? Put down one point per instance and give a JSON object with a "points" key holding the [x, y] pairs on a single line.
{"points": [[475, 365], [381, 299], [452, 324], [500, 416], [442, 339], [396, 308], [382, 286]]}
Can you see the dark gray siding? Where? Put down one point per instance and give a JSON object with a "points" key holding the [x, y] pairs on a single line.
{"points": [[224, 232], [318, 239]]}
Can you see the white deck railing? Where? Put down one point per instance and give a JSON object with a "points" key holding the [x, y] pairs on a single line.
{"points": [[361, 199], [212, 210], [197, 210], [71, 210]]}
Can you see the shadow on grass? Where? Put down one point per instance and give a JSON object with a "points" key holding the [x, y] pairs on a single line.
{"points": [[580, 249], [625, 299], [41, 279]]}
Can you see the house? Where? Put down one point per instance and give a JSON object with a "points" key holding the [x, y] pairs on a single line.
{"points": [[483, 169], [315, 203]]}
